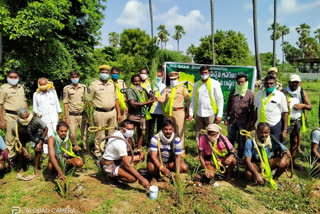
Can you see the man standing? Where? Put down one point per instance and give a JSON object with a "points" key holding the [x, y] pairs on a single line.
{"points": [[298, 102], [207, 101], [46, 104], [175, 96], [104, 97], [271, 107], [239, 112], [73, 100], [120, 84], [12, 98], [274, 72], [145, 83]]}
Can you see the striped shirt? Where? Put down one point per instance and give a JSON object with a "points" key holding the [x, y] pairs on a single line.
{"points": [[166, 150]]}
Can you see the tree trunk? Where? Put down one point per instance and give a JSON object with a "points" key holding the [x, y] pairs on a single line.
{"points": [[165, 45], [256, 45], [274, 32], [282, 49], [212, 30], [151, 17], [0, 48], [178, 44]]}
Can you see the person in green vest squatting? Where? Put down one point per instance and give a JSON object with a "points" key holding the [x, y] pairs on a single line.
{"points": [[207, 101], [62, 148], [175, 96], [298, 103], [120, 84], [271, 107], [262, 155], [157, 108]]}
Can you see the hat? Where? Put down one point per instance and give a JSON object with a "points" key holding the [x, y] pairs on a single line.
{"points": [[173, 74], [214, 128], [294, 78], [104, 67], [273, 69]]}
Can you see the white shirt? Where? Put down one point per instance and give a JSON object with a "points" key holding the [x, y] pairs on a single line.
{"points": [[274, 108], [157, 106], [47, 104], [115, 148], [204, 103], [295, 98]]}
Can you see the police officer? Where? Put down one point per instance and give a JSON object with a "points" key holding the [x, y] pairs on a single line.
{"points": [[104, 97], [73, 100], [12, 98]]}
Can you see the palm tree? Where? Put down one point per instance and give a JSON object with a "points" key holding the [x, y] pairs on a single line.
{"points": [[212, 30], [256, 45], [151, 17], [284, 30], [274, 32], [114, 39], [178, 33], [165, 40], [317, 33], [163, 34], [304, 31]]}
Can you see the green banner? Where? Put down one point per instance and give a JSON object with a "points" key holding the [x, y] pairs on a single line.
{"points": [[226, 75]]}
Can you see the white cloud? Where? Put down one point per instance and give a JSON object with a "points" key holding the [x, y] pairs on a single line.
{"points": [[170, 47], [248, 6], [134, 14], [291, 6], [250, 22]]}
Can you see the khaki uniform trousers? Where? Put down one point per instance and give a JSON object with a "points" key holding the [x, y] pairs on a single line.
{"points": [[103, 119], [10, 119], [203, 122], [81, 123], [180, 119]]}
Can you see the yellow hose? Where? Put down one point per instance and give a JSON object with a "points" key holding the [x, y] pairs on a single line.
{"points": [[18, 144], [93, 129]]}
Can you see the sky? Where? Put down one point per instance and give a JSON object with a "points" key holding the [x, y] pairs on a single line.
{"points": [[195, 16]]}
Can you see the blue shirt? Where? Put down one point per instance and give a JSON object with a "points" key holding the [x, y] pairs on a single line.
{"points": [[315, 138], [2, 144]]}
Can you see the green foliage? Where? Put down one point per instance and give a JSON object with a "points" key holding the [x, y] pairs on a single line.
{"points": [[171, 56], [64, 186], [114, 39], [231, 48], [163, 34]]}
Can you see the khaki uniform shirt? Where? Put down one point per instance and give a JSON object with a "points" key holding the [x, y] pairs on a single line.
{"points": [[102, 95], [181, 95], [121, 84], [12, 98], [74, 97]]}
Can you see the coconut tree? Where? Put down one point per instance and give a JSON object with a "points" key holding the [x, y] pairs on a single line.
{"points": [[255, 30], [178, 33], [304, 31], [284, 30], [151, 17], [114, 39], [212, 30], [274, 32], [163, 34], [317, 33]]}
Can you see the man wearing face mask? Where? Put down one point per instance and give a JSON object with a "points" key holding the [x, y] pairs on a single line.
{"points": [[116, 162], [207, 101], [156, 109], [103, 95], [145, 83], [46, 104], [271, 107], [12, 98], [274, 72], [175, 96], [29, 128], [298, 103], [73, 100], [239, 112], [120, 84]]}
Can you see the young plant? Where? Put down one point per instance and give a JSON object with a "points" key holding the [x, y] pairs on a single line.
{"points": [[153, 74], [64, 186]]}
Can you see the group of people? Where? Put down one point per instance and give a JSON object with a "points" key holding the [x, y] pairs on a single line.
{"points": [[259, 125]]}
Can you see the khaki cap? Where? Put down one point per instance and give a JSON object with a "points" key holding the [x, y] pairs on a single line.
{"points": [[173, 74], [273, 69], [104, 67]]}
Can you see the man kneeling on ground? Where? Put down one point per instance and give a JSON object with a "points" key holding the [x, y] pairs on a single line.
{"points": [[315, 149], [222, 152], [116, 162], [29, 128], [276, 153], [169, 157], [3, 156], [62, 147]]}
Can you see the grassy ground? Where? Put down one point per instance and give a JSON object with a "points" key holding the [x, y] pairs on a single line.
{"points": [[90, 192]]}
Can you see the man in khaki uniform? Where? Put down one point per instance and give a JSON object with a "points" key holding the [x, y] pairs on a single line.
{"points": [[12, 98], [106, 106], [175, 104], [73, 100], [274, 72]]}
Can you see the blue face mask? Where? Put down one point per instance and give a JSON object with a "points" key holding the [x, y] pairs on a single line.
{"points": [[115, 76], [270, 90], [104, 76], [75, 80], [159, 79]]}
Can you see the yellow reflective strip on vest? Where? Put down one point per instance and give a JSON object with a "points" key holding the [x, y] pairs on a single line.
{"points": [[289, 115], [122, 102], [169, 104], [273, 184], [263, 110], [153, 105]]}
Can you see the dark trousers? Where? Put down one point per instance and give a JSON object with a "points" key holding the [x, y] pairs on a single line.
{"points": [[155, 117], [234, 135], [276, 130]]}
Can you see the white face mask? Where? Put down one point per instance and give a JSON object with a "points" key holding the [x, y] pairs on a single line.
{"points": [[12, 82], [174, 83], [128, 133], [144, 76], [204, 77]]}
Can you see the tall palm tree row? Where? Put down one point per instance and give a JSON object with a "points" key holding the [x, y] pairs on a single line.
{"points": [[274, 32], [256, 45], [178, 33], [163, 35], [281, 31]]}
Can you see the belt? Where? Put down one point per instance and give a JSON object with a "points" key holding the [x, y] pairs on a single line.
{"points": [[76, 114], [11, 112], [177, 108], [103, 109]]}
